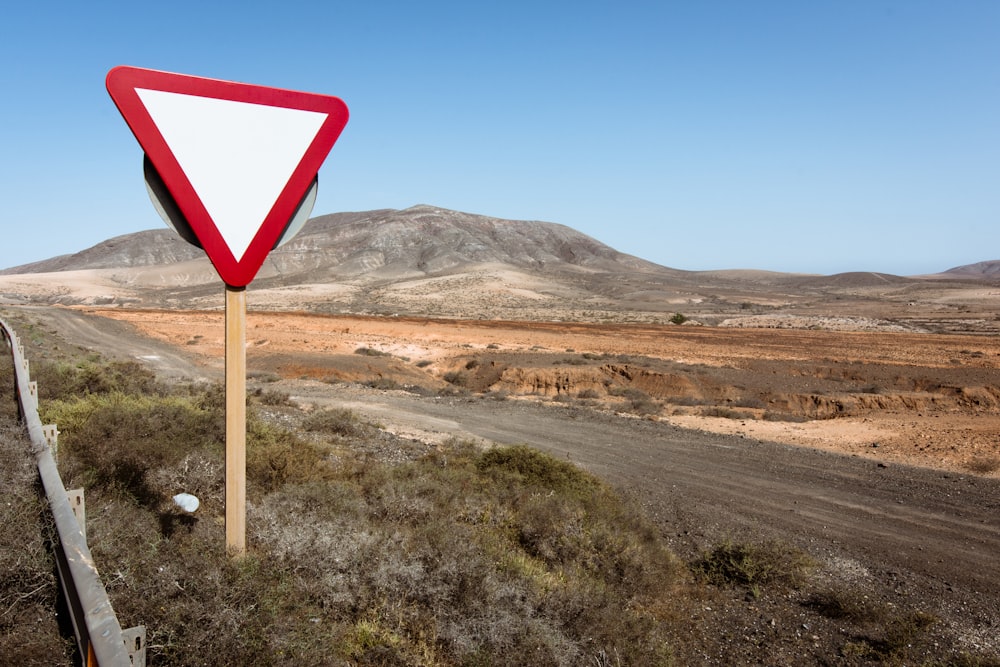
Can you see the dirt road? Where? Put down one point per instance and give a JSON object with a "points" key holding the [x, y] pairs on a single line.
{"points": [[115, 339], [941, 529]]}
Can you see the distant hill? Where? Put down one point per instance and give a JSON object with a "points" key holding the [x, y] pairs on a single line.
{"points": [[420, 240], [147, 248], [988, 269], [421, 259]]}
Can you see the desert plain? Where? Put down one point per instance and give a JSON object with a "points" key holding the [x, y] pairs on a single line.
{"points": [[918, 398]]}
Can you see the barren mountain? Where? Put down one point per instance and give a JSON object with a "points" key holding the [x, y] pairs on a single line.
{"points": [[982, 269], [149, 248], [418, 241], [416, 260], [431, 261]]}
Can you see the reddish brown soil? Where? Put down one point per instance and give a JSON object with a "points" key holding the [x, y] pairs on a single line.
{"points": [[927, 399]]}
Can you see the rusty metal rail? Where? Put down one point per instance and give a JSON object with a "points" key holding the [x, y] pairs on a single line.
{"points": [[99, 636]]}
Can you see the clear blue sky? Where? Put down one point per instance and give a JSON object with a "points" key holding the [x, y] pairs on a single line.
{"points": [[816, 136]]}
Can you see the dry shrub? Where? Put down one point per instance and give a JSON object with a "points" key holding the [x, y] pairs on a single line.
{"points": [[457, 378], [29, 629], [725, 413], [984, 465], [198, 606], [371, 352], [462, 558], [334, 421], [753, 565], [63, 381], [381, 382], [115, 439], [276, 456], [636, 400], [272, 397], [778, 416], [9, 409]]}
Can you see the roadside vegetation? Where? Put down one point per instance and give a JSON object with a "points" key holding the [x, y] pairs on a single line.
{"points": [[29, 629], [459, 556]]}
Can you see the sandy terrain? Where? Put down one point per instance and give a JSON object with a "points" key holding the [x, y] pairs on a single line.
{"points": [[926, 399]]}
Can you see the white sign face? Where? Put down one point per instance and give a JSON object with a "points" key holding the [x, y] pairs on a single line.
{"points": [[238, 156]]}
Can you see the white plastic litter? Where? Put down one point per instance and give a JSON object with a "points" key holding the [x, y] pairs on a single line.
{"points": [[187, 502]]}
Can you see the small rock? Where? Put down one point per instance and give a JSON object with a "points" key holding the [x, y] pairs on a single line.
{"points": [[187, 502]]}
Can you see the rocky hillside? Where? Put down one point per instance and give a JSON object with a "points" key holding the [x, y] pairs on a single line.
{"points": [[422, 240], [148, 248], [425, 240], [989, 269]]}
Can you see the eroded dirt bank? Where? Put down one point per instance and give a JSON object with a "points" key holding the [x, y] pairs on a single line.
{"points": [[927, 399]]}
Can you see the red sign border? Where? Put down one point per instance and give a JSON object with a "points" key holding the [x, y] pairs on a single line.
{"points": [[122, 83]]}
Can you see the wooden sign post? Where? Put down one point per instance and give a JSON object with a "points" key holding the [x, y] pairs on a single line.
{"points": [[233, 168], [236, 420]]}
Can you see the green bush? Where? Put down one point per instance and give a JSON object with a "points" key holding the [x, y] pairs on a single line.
{"points": [[115, 439]]}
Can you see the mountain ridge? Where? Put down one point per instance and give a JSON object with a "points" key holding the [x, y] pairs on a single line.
{"points": [[352, 243], [427, 238]]}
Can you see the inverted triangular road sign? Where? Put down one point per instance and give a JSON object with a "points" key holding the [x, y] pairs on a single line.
{"points": [[237, 159]]}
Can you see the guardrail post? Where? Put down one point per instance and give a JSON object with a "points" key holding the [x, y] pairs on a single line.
{"points": [[79, 507], [135, 644], [51, 434]]}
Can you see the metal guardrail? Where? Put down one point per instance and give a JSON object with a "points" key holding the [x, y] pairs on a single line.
{"points": [[99, 636]]}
